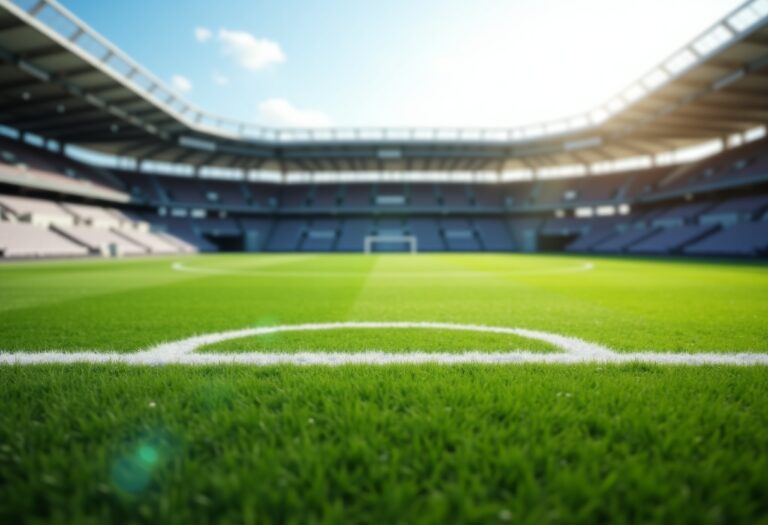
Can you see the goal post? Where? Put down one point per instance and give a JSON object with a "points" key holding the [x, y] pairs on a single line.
{"points": [[410, 240]]}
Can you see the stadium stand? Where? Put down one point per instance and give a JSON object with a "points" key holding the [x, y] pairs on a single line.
{"points": [[320, 236], [224, 193], [25, 240], [37, 211], [357, 195], [286, 236], [353, 232], [621, 241], [670, 240], [99, 240], [151, 242], [428, 234], [675, 211], [494, 235], [264, 196], [423, 196], [459, 235], [748, 239]]}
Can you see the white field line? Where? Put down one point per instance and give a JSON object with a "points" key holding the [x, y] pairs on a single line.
{"points": [[181, 267], [574, 351]]}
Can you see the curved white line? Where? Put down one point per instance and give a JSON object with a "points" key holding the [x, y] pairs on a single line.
{"points": [[574, 351], [570, 345], [181, 267]]}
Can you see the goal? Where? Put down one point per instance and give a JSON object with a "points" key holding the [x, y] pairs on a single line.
{"points": [[410, 240]]}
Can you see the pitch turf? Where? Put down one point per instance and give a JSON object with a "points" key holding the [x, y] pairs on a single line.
{"points": [[404, 443]]}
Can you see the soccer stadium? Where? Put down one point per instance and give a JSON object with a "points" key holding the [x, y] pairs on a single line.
{"points": [[226, 315]]}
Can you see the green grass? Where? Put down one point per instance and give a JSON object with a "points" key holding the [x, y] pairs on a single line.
{"points": [[396, 341], [429, 444]]}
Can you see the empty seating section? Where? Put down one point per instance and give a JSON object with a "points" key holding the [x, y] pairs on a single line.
{"points": [[391, 195], [454, 196], [564, 226], [263, 195], [390, 227], [740, 239], [141, 186], [31, 240], [224, 193], [353, 232], [320, 236], [587, 189], [150, 241], [422, 196], [286, 236], [357, 196], [38, 211], [736, 209], [182, 190], [494, 235], [734, 166], [589, 240], [670, 240], [520, 194], [32, 166], [92, 215], [294, 196], [185, 229], [181, 245], [717, 207], [621, 241], [260, 225], [99, 240], [489, 195], [218, 227], [557, 192], [682, 214], [459, 236], [326, 196], [642, 183], [428, 234]]}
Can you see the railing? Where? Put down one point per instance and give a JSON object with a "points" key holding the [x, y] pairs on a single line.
{"points": [[59, 23]]}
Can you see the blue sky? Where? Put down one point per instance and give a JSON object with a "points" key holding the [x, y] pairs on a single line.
{"points": [[488, 63]]}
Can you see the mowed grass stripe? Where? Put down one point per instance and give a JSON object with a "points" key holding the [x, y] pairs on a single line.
{"points": [[122, 318], [627, 305]]}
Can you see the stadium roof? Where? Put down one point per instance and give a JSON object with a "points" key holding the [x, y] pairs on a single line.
{"points": [[61, 80]]}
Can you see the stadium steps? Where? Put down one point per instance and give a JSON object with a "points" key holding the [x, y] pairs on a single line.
{"points": [[24, 240], [589, 240], [671, 240], [746, 239], [620, 242], [151, 242]]}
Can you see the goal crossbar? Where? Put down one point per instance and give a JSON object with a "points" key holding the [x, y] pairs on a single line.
{"points": [[411, 240]]}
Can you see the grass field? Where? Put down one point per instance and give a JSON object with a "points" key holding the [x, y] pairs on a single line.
{"points": [[426, 443]]}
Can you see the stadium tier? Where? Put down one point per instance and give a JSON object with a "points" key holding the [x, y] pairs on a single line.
{"points": [[634, 212]]}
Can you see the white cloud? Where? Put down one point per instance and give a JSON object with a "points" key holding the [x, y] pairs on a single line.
{"points": [[279, 112], [203, 34], [181, 83], [249, 51], [219, 79]]}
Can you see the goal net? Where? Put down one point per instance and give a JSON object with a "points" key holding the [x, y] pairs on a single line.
{"points": [[410, 240]]}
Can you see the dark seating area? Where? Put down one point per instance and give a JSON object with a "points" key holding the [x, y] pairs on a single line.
{"points": [[671, 240]]}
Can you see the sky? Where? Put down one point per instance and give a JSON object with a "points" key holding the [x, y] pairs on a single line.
{"points": [[398, 63]]}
